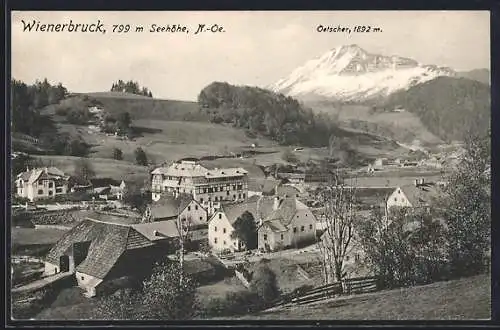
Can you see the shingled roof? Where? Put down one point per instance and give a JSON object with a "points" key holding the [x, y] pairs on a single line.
{"points": [[108, 241], [263, 204], [168, 206]]}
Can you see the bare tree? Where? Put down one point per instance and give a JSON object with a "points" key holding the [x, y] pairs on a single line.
{"points": [[183, 229], [338, 201]]}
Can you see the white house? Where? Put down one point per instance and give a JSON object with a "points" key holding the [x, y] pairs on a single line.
{"points": [[220, 229], [39, 183], [418, 195]]}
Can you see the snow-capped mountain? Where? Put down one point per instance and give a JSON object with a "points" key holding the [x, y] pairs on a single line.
{"points": [[349, 73]]}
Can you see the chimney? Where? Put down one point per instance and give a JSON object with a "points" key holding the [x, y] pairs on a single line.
{"points": [[276, 203]]}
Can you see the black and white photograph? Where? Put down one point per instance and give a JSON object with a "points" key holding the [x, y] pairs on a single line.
{"points": [[250, 165]]}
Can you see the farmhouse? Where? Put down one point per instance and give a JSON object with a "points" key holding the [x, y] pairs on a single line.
{"points": [[418, 195], [97, 252], [217, 185], [38, 183]]}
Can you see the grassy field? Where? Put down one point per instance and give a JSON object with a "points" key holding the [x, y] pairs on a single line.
{"points": [[403, 126], [218, 290], [468, 298], [29, 236], [103, 167]]}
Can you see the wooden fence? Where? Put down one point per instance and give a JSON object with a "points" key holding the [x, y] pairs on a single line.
{"points": [[348, 286]]}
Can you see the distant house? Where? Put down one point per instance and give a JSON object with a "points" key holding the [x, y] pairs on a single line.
{"points": [[107, 188], [294, 178], [420, 194], [46, 182]]}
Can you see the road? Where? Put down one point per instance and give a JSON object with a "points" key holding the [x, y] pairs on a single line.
{"points": [[41, 282]]}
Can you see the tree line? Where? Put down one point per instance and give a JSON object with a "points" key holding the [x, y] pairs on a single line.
{"points": [[259, 111], [28, 100], [131, 87]]}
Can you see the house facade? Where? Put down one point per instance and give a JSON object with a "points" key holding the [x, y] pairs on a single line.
{"points": [[418, 195], [41, 183], [220, 229], [290, 224], [190, 177]]}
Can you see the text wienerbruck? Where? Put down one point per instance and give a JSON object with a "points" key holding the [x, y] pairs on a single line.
{"points": [[36, 26]]}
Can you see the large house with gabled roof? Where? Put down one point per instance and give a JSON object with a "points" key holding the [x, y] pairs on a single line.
{"points": [[40, 183], [205, 185], [282, 221]]}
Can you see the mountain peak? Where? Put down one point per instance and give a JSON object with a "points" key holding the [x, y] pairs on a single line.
{"points": [[348, 72]]}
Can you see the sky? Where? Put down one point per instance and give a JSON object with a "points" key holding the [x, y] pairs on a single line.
{"points": [[256, 48]]}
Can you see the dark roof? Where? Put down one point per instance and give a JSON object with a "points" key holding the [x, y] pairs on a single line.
{"points": [[104, 182], [262, 203], [286, 210], [168, 206], [108, 241]]}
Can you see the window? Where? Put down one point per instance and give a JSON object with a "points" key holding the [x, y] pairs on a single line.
{"points": [[224, 242], [395, 199], [224, 230], [234, 243], [83, 278], [346, 258], [281, 236], [209, 199], [220, 215], [40, 192], [310, 227], [227, 193], [196, 207], [201, 218], [239, 195], [56, 269], [201, 200], [265, 237], [302, 228], [356, 257], [243, 195], [215, 240], [234, 197], [294, 229], [189, 208], [50, 192], [215, 228], [51, 184]]}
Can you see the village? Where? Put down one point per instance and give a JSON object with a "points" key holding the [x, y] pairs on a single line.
{"points": [[209, 210]]}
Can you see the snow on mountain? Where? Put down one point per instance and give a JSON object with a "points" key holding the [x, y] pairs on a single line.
{"points": [[349, 73]]}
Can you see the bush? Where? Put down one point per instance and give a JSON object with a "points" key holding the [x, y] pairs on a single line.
{"points": [[264, 284], [234, 303], [117, 154]]}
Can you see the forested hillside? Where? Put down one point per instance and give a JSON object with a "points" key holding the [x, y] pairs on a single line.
{"points": [[448, 107], [259, 111]]}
